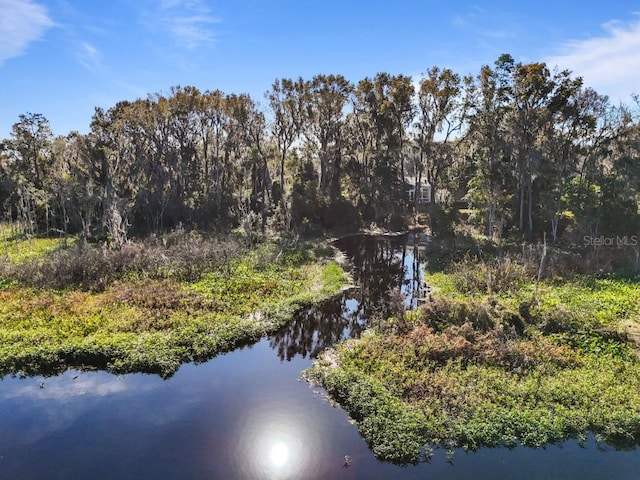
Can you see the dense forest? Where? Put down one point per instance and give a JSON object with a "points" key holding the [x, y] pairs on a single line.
{"points": [[528, 149]]}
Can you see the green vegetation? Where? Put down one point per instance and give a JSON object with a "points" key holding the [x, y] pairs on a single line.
{"points": [[149, 308], [495, 364], [17, 248], [514, 150], [519, 151]]}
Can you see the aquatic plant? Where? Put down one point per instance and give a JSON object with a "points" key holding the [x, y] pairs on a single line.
{"points": [[495, 369]]}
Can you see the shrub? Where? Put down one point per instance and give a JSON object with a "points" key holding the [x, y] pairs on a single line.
{"points": [[185, 258], [442, 312], [442, 220], [501, 274], [390, 313]]}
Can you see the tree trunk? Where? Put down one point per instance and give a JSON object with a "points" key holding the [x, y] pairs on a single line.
{"points": [[530, 203]]}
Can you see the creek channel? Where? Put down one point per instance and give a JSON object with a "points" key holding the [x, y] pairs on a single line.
{"points": [[246, 414]]}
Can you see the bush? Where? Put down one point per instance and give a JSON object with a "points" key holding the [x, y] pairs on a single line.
{"points": [[442, 220], [442, 312], [184, 258], [497, 275], [389, 315], [341, 213], [493, 347]]}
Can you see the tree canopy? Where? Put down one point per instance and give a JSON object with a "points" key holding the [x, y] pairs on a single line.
{"points": [[527, 148]]}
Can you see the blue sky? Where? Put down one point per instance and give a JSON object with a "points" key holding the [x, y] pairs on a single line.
{"points": [[62, 58]]}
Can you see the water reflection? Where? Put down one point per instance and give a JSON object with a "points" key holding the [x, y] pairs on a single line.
{"points": [[279, 455], [379, 264], [278, 444], [245, 415], [319, 327], [70, 384]]}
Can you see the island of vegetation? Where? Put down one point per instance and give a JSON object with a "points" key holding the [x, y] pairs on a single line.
{"points": [[182, 225], [495, 357]]}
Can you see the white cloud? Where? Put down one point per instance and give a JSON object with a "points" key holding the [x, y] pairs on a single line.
{"points": [[21, 23], [609, 63], [89, 57], [187, 21], [65, 389]]}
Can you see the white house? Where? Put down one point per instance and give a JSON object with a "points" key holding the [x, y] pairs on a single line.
{"points": [[418, 195]]}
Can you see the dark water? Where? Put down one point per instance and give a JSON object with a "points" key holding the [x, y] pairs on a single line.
{"points": [[246, 415]]}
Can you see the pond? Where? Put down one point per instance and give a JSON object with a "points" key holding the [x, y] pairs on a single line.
{"points": [[246, 414]]}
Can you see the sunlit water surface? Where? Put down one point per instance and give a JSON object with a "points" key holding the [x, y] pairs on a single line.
{"points": [[247, 415]]}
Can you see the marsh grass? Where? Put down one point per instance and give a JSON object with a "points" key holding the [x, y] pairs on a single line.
{"points": [[492, 359], [95, 268], [141, 313]]}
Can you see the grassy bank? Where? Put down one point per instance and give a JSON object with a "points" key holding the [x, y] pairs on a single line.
{"points": [[517, 363], [152, 307], [16, 247]]}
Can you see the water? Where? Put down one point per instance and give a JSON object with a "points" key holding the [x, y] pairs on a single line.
{"points": [[246, 415]]}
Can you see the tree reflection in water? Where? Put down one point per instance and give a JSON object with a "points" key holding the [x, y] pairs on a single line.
{"points": [[379, 265]]}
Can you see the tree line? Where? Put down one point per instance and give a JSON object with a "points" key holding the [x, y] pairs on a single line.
{"points": [[528, 149]]}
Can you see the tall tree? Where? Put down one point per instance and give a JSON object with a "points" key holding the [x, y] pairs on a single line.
{"points": [[382, 113], [491, 153], [443, 107], [115, 150], [30, 163], [326, 98], [286, 99], [250, 130], [533, 90], [31, 143]]}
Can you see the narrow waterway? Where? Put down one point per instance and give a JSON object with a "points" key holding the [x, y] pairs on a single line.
{"points": [[247, 415]]}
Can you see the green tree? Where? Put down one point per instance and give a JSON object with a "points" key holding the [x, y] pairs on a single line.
{"points": [[383, 111], [29, 165], [325, 100], [488, 189], [443, 107], [286, 99]]}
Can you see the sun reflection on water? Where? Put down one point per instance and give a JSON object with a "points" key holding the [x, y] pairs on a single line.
{"points": [[279, 455], [278, 451], [278, 445]]}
